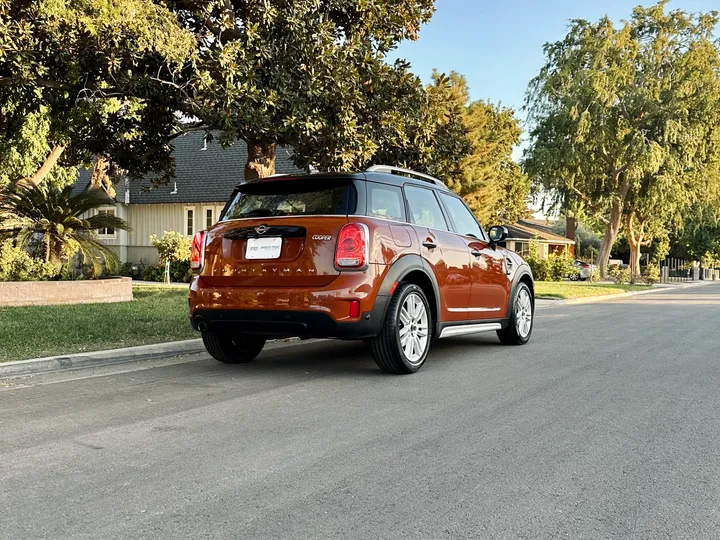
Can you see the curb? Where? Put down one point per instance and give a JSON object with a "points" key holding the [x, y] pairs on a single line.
{"points": [[68, 362], [603, 298]]}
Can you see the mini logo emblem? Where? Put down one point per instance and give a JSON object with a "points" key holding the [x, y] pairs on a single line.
{"points": [[262, 229], [322, 237]]}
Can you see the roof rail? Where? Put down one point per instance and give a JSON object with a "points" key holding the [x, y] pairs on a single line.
{"points": [[407, 172]]}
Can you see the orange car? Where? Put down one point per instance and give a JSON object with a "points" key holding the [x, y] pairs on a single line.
{"points": [[388, 256]]}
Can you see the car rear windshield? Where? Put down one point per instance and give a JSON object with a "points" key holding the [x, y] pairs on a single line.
{"points": [[294, 197]]}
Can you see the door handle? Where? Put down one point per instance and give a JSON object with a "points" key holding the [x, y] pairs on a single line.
{"points": [[476, 253], [430, 245]]}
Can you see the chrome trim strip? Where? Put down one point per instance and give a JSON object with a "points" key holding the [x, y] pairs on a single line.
{"points": [[461, 330], [473, 309]]}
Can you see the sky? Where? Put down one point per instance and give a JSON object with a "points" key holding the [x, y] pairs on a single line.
{"points": [[497, 45]]}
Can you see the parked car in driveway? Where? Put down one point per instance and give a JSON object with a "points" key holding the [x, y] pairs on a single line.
{"points": [[388, 256], [581, 271]]}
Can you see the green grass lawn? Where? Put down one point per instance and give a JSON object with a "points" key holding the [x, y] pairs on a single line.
{"points": [[550, 290], [157, 314]]}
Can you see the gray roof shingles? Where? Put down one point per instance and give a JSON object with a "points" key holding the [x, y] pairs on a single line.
{"points": [[201, 175]]}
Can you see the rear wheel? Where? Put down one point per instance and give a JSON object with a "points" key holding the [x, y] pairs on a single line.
{"points": [[404, 341], [520, 326], [231, 349]]}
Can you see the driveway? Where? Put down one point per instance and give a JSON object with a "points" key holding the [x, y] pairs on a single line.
{"points": [[605, 426]]}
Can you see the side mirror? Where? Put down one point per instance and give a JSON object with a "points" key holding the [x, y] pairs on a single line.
{"points": [[497, 234]]}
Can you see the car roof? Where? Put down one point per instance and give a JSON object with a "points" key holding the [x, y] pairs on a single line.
{"points": [[381, 177]]}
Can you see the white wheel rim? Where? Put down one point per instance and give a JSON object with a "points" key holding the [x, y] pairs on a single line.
{"points": [[523, 313], [413, 328]]}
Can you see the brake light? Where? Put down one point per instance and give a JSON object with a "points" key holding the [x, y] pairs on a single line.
{"points": [[352, 246], [197, 252]]}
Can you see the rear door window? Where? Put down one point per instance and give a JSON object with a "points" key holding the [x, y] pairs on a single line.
{"points": [[292, 198], [424, 208], [462, 219], [385, 202]]}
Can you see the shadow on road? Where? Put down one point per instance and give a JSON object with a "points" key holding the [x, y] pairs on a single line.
{"points": [[336, 356]]}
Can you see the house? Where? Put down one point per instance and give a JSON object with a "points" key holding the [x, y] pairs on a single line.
{"points": [[520, 235], [205, 177]]}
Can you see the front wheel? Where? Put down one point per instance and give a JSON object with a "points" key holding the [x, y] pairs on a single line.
{"points": [[403, 344], [520, 324], [231, 349]]}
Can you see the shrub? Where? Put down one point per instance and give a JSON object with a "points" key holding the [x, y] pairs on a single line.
{"points": [[595, 276], [561, 265], [179, 272], [154, 272], [172, 246], [540, 269], [16, 264], [651, 274], [619, 275]]}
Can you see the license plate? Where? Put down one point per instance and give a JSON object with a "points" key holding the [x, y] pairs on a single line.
{"points": [[263, 248]]}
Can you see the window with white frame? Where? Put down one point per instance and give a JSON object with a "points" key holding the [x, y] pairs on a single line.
{"points": [[209, 216], [107, 232], [522, 248], [189, 221]]}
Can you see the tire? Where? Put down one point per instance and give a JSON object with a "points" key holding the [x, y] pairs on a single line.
{"points": [[231, 349], [522, 318], [574, 277], [409, 313]]}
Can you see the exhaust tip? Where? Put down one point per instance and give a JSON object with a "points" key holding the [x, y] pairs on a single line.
{"points": [[201, 325]]}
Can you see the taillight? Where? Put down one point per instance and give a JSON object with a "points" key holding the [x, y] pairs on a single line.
{"points": [[197, 252], [352, 247]]}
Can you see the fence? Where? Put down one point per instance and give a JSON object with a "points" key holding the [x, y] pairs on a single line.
{"points": [[674, 270]]}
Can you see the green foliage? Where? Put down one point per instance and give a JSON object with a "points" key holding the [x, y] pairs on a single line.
{"points": [[651, 274], [561, 265], [469, 146], [539, 265], [619, 275], [16, 264], [55, 224], [92, 77], [305, 74], [179, 272], [154, 272], [172, 246], [595, 276], [625, 120]]}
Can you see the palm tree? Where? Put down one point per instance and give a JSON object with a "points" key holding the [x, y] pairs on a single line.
{"points": [[61, 223]]}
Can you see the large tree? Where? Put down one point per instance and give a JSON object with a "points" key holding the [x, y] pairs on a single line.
{"points": [[619, 113], [301, 73], [472, 150], [87, 77]]}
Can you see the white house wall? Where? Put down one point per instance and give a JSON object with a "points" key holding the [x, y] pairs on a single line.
{"points": [[149, 219]]}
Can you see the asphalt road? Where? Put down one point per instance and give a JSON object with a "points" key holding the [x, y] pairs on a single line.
{"points": [[606, 425]]}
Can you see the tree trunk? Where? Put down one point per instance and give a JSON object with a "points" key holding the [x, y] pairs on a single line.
{"points": [[260, 161], [613, 227], [635, 238], [570, 229], [46, 167]]}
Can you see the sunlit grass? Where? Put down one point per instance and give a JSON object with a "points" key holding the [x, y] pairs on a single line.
{"points": [[158, 314]]}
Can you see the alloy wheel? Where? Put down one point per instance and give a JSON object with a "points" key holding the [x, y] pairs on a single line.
{"points": [[413, 328], [523, 313]]}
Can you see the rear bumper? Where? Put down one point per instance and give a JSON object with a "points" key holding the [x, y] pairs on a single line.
{"points": [[292, 323], [294, 311]]}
